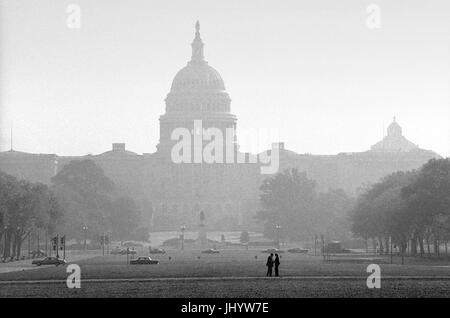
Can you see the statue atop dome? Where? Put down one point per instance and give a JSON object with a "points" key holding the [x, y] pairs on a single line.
{"points": [[197, 46], [197, 27], [197, 75]]}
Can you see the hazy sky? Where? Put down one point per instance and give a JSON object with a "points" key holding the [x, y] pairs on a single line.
{"points": [[312, 69]]}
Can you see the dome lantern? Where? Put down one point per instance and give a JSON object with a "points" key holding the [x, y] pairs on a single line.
{"points": [[197, 93], [197, 46], [197, 75]]}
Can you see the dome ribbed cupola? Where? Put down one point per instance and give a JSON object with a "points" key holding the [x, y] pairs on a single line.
{"points": [[197, 87], [394, 141], [394, 129], [197, 93]]}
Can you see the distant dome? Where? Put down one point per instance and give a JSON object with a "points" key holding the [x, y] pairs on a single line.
{"points": [[394, 129], [197, 76], [394, 141]]}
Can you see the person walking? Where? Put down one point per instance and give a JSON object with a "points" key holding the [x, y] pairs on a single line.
{"points": [[269, 265], [277, 264]]}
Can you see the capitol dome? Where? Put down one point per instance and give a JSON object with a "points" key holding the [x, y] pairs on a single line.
{"points": [[197, 76], [197, 93], [197, 87]]}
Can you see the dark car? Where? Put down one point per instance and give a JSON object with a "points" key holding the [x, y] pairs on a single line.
{"points": [[298, 250], [144, 260], [157, 251], [210, 251], [49, 261]]}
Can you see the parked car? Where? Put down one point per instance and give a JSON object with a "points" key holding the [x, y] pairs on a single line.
{"points": [[144, 260], [335, 247], [49, 261], [210, 251], [131, 244], [116, 251], [38, 253], [298, 250], [122, 251], [157, 251], [272, 250]]}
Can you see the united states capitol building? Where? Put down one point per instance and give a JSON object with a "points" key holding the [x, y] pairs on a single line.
{"points": [[172, 194]]}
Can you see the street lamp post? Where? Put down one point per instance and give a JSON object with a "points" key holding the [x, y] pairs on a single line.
{"points": [[85, 228], [278, 228], [182, 228]]}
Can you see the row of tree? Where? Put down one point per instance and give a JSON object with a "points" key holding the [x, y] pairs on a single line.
{"points": [[81, 203], [24, 207], [293, 207], [407, 209]]}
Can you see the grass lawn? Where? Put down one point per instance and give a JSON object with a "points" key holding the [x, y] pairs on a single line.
{"points": [[233, 273]]}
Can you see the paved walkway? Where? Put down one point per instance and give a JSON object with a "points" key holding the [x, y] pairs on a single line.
{"points": [[233, 278]]}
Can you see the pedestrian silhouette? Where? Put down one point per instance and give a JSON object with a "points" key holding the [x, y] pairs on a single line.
{"points": [[269, 265], [277, 264]]}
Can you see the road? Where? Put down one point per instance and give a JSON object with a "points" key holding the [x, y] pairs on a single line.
{"points": [[25, 265]]}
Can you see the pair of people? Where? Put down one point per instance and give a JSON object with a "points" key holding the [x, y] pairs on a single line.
{"points": [[273, 263]]}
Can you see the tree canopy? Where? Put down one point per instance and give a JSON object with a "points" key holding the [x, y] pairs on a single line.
{"points": [[407, 206], [91, 200], [24, 207], [291, 201]]}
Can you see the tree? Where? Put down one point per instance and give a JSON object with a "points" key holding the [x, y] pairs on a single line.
{"points": [[86, 195], [379, 212], [408, 207], [125, 218], [290, 200], [428, 198], [92, 200], [24, 207], [245, 237], [331, 215]]}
